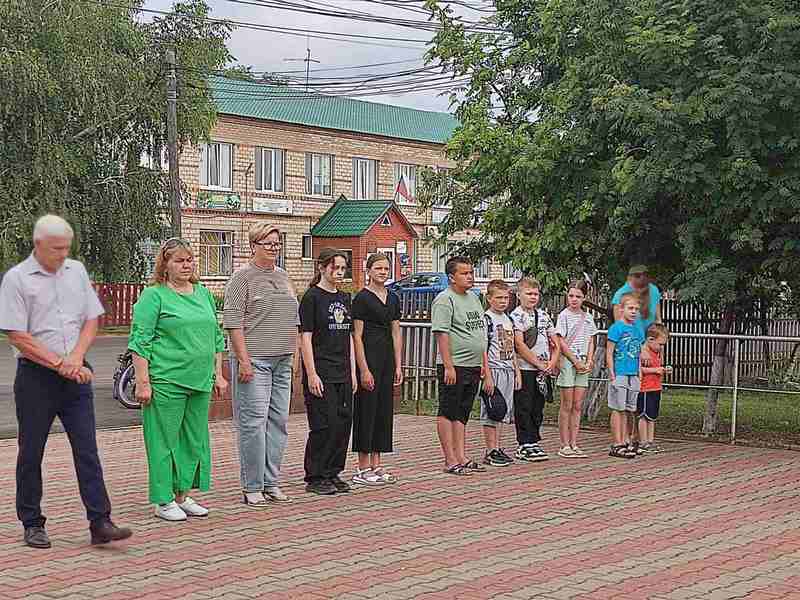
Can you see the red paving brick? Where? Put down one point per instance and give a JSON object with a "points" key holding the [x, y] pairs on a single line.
{"points": [[697, 521]]}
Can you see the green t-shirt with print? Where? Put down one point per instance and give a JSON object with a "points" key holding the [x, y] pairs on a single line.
{"points": [[461, 317]]}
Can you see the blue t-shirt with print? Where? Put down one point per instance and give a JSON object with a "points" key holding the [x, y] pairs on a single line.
{"points": [[628, 340], [655, 299]]}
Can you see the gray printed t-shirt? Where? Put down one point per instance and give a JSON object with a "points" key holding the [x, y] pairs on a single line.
{"points": [[461, 317], [501, 340], [524, 321]]}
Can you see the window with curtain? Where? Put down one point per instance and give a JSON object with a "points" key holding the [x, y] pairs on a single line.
{"points": [[216, 165], [215, 253], [365, 182], [319, 174], [409, 175], [269, 169]]}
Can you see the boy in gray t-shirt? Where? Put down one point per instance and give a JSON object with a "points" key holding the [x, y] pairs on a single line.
{"points": [[501, 370]]}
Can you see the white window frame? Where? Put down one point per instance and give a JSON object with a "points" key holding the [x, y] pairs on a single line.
{"points": [[411, 172], [440, 256], [220, 249], [281, 260], [349, 270], [510, 272], [439, 203], [483, 270], [307, 239], [269, 169], [365, 179], [216, 154], [318, 166]]}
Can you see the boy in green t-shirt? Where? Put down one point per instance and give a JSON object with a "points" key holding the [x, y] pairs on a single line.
{"points": [[460, 330]]}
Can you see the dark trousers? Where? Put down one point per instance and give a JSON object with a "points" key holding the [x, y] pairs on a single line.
{"points": [[528, 409], [329, 422], [41, 395]]}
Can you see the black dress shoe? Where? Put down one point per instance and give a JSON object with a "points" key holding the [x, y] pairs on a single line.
{"points": [[105, 531], [322, 488], [36, 537], [342, 487]]}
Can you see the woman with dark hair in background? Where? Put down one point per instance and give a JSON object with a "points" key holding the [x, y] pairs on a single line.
{"points": [[378, 345], [329, 373]]}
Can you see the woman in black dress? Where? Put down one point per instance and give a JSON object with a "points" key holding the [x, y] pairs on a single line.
{"points": [[378, 345]]}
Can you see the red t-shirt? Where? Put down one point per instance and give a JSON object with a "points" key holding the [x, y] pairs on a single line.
{"points": [[651, 382]]}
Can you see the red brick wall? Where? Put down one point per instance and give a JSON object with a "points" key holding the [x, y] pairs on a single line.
{"points": [[345, 243], [380, 236]]}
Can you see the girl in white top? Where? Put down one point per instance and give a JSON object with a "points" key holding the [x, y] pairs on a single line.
{"points": [[575, 331]]}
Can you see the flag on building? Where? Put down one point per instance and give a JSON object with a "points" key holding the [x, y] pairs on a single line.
{"points": [[402, 190]]}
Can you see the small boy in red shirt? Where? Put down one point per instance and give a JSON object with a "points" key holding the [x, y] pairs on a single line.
{"points": [[649, 401]]}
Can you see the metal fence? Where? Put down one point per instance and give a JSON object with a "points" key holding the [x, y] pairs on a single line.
{"points": [[780, 376]]}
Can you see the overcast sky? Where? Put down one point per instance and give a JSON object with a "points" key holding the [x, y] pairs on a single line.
{"points": [[267, 51]]}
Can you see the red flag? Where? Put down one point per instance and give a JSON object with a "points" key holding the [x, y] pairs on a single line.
{"points": [[402, 190]]}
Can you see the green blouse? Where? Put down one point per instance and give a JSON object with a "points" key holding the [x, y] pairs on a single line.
{"points": [[178, 335]]}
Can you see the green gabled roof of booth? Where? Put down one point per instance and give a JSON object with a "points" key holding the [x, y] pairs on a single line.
{"points": [[351, 218], [347, 218], [294, 105]]}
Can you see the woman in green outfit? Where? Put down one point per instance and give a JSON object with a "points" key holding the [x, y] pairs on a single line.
{"points": [[177, 350]]}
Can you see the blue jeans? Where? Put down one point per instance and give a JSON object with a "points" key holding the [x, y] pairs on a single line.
{"points": [[260, 411]]}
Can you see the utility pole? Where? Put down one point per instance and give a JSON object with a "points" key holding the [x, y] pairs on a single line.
{"points": [[308, 60], [172, 143]]}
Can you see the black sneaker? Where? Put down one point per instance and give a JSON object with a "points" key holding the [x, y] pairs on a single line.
{"points": [[322, 488], [495, 459], [341, 486], [508, 458], [537, 453]]}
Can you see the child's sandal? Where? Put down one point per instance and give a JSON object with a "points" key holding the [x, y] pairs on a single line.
{"points": [[621, 451]]}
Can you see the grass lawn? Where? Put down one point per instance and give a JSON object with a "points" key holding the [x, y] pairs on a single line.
{"points": [[763, 418]]}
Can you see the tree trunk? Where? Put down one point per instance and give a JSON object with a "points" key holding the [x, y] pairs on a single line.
{"points": [[711, 417]]}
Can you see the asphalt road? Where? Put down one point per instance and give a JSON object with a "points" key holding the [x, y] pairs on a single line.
{"points": [[103, 357]]}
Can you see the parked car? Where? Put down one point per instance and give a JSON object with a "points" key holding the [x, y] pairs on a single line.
{"points": [[424, 283]]}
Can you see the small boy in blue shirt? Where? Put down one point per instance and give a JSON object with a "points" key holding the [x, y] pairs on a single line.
{"points": [[622, 357]]}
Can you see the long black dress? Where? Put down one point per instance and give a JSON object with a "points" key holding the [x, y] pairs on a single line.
{"points": [[373, 410]]}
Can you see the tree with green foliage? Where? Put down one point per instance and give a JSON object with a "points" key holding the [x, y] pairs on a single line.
{"points": [[657, 131], [82, 98]]}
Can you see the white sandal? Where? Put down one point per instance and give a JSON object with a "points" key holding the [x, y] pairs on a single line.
{"points": [[385, 475]]}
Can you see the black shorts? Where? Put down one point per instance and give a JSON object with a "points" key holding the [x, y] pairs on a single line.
{"points": [[648, 405], [455, 401]]}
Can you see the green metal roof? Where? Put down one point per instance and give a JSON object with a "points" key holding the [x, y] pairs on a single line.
{"points": [[348, 218], [292, 105]]}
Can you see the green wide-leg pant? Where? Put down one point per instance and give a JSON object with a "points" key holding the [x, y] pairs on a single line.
{"points": [[175, 425]]}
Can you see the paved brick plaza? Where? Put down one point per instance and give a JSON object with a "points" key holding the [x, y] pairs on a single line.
{"points": [[698, 521]]}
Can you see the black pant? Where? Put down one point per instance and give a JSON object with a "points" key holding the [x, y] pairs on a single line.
{"points": [[528, 409], [329, 422], [40, 395]]}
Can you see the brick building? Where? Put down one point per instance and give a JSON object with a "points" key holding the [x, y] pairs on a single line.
{"points": [[285, 157]]}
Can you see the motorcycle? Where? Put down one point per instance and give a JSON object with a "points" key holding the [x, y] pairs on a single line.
{"points": [[125, 382]]}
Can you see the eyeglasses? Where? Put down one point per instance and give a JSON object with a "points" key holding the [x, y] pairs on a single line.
{"points": [[272, 245]]}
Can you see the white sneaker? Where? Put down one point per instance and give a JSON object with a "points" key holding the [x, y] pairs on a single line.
{"points": [[567, 452], [192, 508], [275, 494], [367, 477], [170, 512], [579, 453]]}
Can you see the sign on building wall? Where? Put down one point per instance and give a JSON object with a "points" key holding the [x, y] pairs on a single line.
{"points": [[280, 206]]}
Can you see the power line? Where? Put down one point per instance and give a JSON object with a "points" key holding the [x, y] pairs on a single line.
{"points": [[315, 34]]}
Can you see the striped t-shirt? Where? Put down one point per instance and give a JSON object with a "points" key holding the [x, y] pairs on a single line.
{"points": [[576, 335], [262, 303]]}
